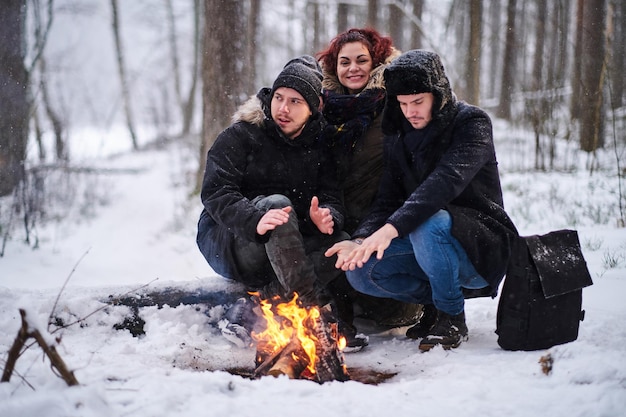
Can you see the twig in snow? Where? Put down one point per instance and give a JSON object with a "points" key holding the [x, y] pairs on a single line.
{"points": [[23, 335], [54, 306]]}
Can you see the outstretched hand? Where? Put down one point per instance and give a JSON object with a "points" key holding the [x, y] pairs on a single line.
{"points": [[272, 219], [351, 255], [343, 250], [321, 217]]}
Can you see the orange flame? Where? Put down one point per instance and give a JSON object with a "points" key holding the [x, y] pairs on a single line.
{"points": [[289, 321]]}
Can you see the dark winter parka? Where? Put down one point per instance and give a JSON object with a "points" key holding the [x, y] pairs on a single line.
{"points": [[254, 158], [453, 167]]}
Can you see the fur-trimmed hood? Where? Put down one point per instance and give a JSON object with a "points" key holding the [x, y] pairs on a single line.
{"points": [[252, 110], [331, 81]]}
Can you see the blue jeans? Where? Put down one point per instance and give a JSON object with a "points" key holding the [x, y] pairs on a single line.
{"points": [[427, 267]]}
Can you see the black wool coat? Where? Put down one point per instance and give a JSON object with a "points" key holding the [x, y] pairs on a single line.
{"points": [[458, 172], [253, 158]]}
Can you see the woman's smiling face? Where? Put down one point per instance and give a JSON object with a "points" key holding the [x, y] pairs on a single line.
{"points": [[354, 64]]}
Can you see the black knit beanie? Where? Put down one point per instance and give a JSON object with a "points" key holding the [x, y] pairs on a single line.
{"points": [[304, 75]]}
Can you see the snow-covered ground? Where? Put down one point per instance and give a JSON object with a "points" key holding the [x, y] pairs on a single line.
{"points": [[141, 238]]}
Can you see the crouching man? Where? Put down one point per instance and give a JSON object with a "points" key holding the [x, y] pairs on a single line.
{"points": [[438, 225], [271, 204]]}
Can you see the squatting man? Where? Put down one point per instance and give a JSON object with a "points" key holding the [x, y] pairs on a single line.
{"points": [[437, 227]]}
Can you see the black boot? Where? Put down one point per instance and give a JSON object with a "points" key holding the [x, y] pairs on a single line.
{"points": [[341, 294], [293, 268], [425, 323], [238, 322], [354, 341], [448, 331]]}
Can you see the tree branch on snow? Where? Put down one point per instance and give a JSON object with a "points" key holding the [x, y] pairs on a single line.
{"points": [[29, 331], [26, 332]]}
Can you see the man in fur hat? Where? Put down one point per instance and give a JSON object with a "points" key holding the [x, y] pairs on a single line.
{"points": [[437, 228], [271, 203]]}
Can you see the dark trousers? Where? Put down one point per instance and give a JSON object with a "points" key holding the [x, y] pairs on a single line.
{"points": [[291, 261]]}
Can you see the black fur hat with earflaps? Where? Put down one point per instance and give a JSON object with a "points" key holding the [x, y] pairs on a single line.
{"points": [[414, 72]]}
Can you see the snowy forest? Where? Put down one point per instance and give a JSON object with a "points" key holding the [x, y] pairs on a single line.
{"points": [[107, 110], [155, 71]]}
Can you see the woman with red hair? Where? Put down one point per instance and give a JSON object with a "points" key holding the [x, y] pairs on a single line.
{"points": [[354, 97]]}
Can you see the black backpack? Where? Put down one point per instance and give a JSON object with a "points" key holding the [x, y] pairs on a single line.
{"points": [[541, 301]]}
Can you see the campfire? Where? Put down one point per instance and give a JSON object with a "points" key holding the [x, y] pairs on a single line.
{"points": [[300, 342]]}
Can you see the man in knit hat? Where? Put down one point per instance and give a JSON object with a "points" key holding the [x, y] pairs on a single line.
{"points": [[437, 232], [271, 206]]}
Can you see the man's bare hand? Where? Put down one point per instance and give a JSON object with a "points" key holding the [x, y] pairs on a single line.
{"points": [[342, 250], [352, 255], [272, 219], [321, 217]]}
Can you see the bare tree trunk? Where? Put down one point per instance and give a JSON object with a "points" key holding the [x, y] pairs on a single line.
{"points": [[495, 62], [474, 56], [254, 16], [372, 13], [190, 102], [522, 29], [559, 45], [537, 104], [38, 133], [221, 71], [618, 61], [14, 104], [121, 66], [416, 35], [593, 73], [317, 26], [556, 68], [58, 129], [575, 105], [508, 69], [342, 16], [172, 40], [540, 35], [395, 25], [41, 28]]}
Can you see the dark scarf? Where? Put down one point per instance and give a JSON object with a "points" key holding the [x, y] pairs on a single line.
{"points": [[419, 148], [349, 115]]}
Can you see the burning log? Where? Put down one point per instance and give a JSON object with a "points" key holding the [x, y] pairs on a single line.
{"points": [[330, 362], [300, 342], [290, 360]]}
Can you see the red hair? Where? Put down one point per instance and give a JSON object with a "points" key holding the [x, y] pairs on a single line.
{"points": [[379, 47]]}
